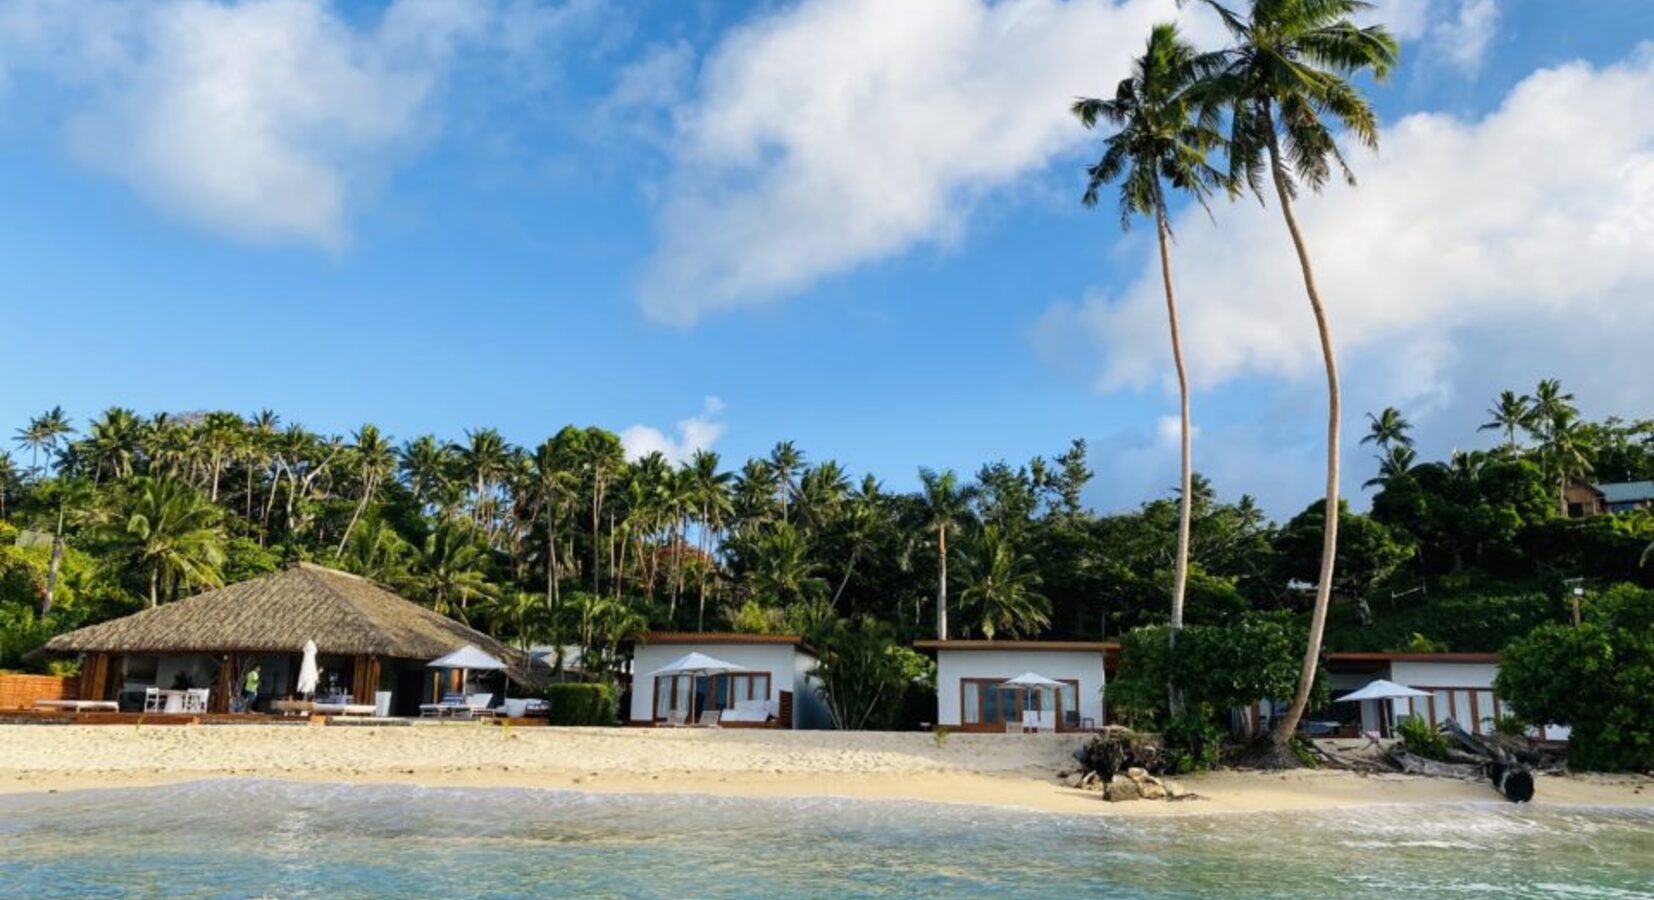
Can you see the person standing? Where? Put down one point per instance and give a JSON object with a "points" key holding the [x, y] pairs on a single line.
{"points": [[249, 689]]}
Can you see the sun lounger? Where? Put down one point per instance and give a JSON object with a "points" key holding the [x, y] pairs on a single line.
{"points": [[79, 705], [748, 712], [677, 718], [342, 709], [710, 717], [477, 705]]}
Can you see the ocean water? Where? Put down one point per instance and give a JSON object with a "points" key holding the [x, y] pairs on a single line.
{"points": [[291, 840]]}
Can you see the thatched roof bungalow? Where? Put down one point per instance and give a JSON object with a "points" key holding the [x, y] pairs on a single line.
{"points": [[369, 640]]}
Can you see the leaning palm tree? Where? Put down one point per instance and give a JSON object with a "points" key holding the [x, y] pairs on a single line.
{"points": [[374, 459], [1388, 428], [1510, 413], [1160, 140], [173, 533], [1282, 79]]}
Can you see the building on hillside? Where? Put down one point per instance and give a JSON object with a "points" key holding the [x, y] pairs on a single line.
{"points": [[971, 694], [773, 684], [1585, 499], [1460, 686], [369, 640]]}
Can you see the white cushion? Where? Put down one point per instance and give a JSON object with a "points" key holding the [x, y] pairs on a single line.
{"points": [[752, 705]]}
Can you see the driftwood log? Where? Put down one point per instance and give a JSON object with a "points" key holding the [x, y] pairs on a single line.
{"points": [[1511, 775]]}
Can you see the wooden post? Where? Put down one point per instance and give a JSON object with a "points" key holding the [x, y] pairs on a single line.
{"points": [[220, 702]]}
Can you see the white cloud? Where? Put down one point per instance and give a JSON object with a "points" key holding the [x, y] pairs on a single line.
{"points": [[838, 132], [698, 432], [1463, 40], [1475, 255], [266, 120]]}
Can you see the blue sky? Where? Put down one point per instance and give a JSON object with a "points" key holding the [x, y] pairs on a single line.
{"points": [[853, 223]]}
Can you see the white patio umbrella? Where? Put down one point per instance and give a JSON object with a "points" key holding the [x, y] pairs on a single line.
{"points": [[696, 665], [1382, 691], [466, 659], [1036, 681], [308, 673]]}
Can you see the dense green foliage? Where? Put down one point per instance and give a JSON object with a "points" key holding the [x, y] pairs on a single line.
{"points": [[1597, 678], [1420, 739], [581, 704]]}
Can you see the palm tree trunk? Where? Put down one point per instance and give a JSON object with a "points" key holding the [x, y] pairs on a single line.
{"points": [[849, 565], [154, 585], [942, 584], [553, 599], [1285, 728], [1185, 506]]}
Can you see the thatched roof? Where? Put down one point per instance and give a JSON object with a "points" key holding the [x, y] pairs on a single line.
{"points": [[344, 614]]}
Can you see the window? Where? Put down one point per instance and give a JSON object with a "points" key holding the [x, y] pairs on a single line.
{"points": [[673, 692], [985, 702]]}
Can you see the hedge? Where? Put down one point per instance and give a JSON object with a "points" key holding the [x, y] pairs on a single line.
{"points": [[582, 704]]}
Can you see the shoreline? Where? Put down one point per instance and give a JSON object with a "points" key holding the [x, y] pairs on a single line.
{"points": [[1013, 772]]}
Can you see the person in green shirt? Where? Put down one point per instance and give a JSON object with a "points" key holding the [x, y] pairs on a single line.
{"points": [[249, 689]]}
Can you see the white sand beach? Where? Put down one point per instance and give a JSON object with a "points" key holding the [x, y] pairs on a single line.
{"points": [[1015, 771]]}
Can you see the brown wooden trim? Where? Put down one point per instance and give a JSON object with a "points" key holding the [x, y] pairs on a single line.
{"points": [[994, 683], [1099, 646]]}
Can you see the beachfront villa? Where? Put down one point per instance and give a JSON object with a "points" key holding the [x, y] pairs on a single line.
{"points": [[985, 685], [370, 642], [1459, 687], [733, 680]]}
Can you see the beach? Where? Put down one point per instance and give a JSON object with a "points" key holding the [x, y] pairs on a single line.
{"points": [[1013, 771]]}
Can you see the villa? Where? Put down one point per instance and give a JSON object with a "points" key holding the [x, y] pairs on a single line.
{"points": [[1460, 686], [370, 640], [1586, 499], [973, 693], [751, 680]]}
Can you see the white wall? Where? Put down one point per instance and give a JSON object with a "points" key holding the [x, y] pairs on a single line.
{"points": [[1084, 666], [1463, 679], [776, 659]]}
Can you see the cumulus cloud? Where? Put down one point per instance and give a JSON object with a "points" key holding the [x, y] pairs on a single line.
{"points": [[266, 120], [1464, 262], [1463, 39], [698, 432], [838, 132]]}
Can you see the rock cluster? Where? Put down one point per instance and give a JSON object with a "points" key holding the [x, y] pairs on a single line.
{"points": [[1134, 783]]}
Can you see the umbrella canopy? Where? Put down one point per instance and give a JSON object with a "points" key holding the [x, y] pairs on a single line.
{"points": [[697, 664], [1382, 690], [467, 657], [1031, 679], [308, 674]]}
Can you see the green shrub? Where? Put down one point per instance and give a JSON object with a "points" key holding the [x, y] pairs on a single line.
{"points": [[582, 704], [1193, 743], [1420, 739], [1510, 725], [1597, 679]]}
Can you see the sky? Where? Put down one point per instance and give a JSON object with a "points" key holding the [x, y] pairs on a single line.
{"points": [[853, 224]]}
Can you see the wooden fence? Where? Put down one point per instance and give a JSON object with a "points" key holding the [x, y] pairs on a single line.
{"points": [[21, 691]]}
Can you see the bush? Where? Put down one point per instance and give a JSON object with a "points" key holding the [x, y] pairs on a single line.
{"points": [[582, 704], [1193, 743], [1420, 739], [1597, 679], [1219, 667], [1510, 725]]}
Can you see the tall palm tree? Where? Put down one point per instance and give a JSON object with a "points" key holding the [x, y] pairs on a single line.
{"points": [[259, 433], [1281, 79], [711, 495], [1566, 453], [555, 486], [425, 463], [221, 436], [785, 459], [484, 459], [779, 568], [8, 480], [44, 432], [1388, 428], [1001, 593], [1397, 460], [1160, 139], [945, 508], [863, 518], [374, 459], [1550, 402], [450, 568], [1509, 413], [113, 443], [602, 459], [173, 532]]}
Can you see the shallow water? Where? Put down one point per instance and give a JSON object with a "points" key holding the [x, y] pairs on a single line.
{"points": [[279, 839]]}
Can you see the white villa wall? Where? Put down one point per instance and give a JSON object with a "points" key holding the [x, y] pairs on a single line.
{"points": [[776, 659], [1084, 666]]}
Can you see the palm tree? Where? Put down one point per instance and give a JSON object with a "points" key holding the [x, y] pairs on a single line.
{"points": [[113, 442], [221, 435], [1510, 413], [1001, 588], [484, 459], [711, 494], [1397, 460], [173, 532], [602, 458], [785, 459], [1550, 402], [1159, 140], [779, 568], [1388, 428], [863, 518], [1287, 70], [450, 568], [1567, 452], [378, 552], [374, 460], [8, 480], [425, 463], [44, 432], [946, 508], [554, 486]]}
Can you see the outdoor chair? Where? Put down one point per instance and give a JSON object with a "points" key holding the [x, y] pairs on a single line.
{"points": [[1030, 721], [676, 718], [154, 700], [195, 700], [477, 705], [710, 717], [1012, 726]]}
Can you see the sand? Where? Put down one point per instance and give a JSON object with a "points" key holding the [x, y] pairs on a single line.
{"points": [[1004, 770]]}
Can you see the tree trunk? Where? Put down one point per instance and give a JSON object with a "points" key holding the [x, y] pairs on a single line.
{"points": [[154, 585], [1285, 728], [1185, 507], [553, 598], [849, 565], [597, 541], [361, 504], [942, 584]]}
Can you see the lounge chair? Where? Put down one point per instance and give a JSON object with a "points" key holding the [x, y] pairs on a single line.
{"points": [[747, 712], [154, 700], [195, 700], [342, 709], [710, 718], [79, 705], [676, 718], [477, 705], [451, 704]]}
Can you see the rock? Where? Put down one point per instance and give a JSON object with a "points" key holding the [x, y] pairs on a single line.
{"points": [[1173, 789], [1137, 773], [1122, 789], [1091, 781], [1152, 790]]}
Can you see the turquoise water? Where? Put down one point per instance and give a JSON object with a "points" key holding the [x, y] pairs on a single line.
{"points": [[288, 840]]}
